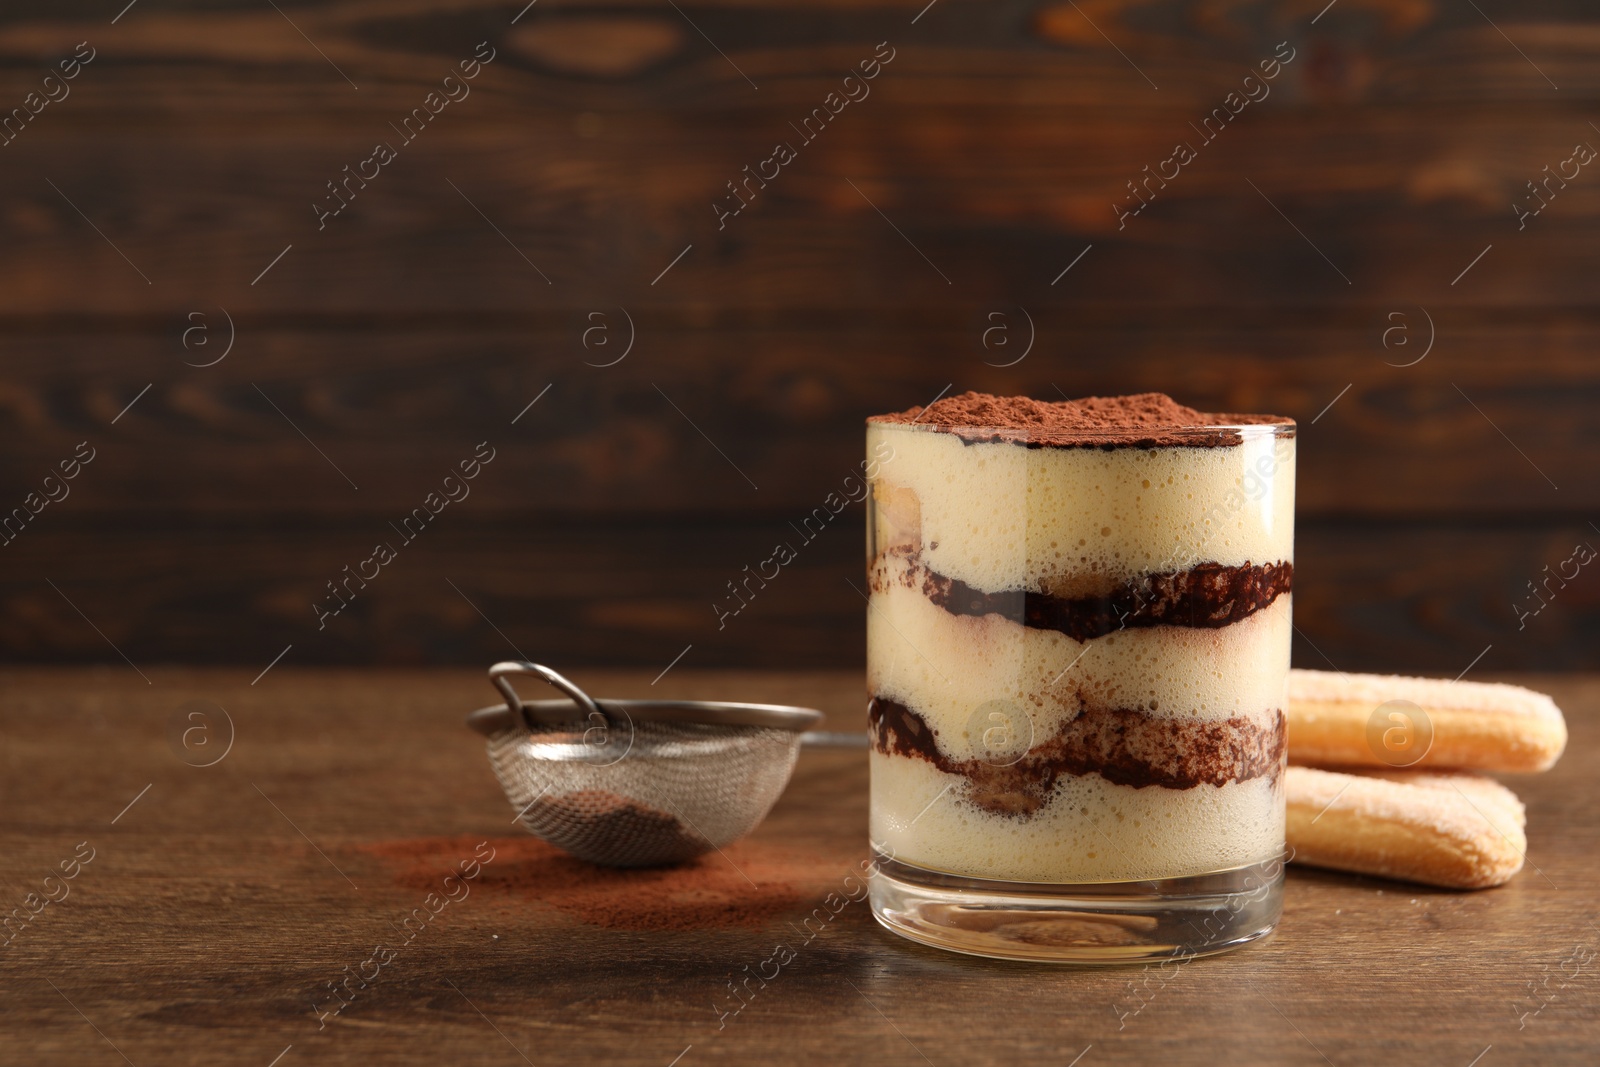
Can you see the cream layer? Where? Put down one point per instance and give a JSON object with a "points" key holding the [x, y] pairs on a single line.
{"points": [[1002, 516]]}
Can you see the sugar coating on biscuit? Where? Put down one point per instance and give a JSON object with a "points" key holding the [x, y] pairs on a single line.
{"points": [[1460, 806], [1371, 690]]}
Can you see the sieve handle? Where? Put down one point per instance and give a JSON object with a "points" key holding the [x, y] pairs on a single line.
{"points": [[500, 676], [829, 739]]}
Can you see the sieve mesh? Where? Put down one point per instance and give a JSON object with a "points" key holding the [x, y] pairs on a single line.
{"points": [[680, 789]]}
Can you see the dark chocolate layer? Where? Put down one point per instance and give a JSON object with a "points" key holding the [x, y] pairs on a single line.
{"points": [[1122, 745], [1206, 596]]}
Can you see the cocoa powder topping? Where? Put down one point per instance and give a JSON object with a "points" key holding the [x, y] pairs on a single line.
{"points": [[1143, 420]]}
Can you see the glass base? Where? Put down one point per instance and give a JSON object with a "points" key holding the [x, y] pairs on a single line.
{"points": [[1093, 923]]}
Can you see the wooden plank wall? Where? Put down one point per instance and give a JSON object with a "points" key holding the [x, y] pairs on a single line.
{"points": [[162, 209]]}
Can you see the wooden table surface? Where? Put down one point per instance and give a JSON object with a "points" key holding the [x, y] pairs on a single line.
{"points": [[221, 900]]}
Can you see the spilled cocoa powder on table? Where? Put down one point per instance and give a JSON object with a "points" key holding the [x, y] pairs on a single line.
{"points": [[707, 892]]}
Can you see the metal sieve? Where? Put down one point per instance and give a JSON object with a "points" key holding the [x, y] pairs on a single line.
{"points": [[638, 783]]}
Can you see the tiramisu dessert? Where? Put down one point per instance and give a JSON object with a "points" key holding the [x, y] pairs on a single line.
{"points": [[1078, 638]]}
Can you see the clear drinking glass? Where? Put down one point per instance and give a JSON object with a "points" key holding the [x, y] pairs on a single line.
{"points": [[1077, 659]]}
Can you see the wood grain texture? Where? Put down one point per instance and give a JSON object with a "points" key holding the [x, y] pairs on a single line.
{"points": [[1470, 429], [459, 284], [198, 142], [217, 905]]}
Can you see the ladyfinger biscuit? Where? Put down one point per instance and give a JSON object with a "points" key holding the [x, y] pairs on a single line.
{"points": [[1460, 831], [1473, 725]]}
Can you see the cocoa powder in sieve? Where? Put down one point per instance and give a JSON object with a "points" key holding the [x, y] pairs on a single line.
{"points": [[615, 823]]}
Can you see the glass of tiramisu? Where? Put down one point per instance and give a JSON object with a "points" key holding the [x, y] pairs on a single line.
{"points": [[1077, 662]]}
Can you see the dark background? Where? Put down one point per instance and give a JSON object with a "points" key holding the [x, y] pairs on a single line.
{"points": [[991, 149]]}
